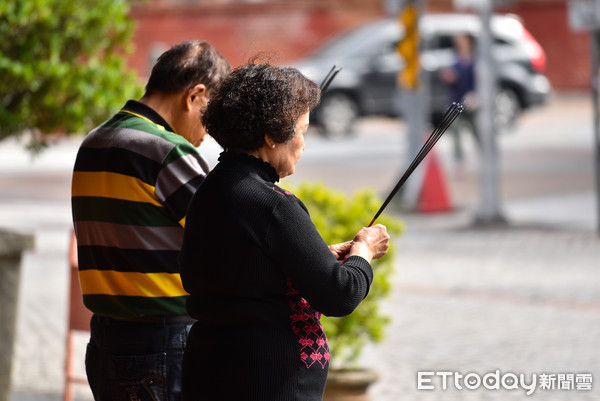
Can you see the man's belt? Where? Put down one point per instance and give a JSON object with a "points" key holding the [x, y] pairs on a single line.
{"points": [[161, 319]]}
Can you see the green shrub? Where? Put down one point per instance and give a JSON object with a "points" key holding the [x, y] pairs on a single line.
{"points": [[338, 218], [62, 65]]}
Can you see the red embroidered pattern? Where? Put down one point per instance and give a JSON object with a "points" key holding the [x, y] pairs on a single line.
{"points": [[305, 321], [285, 192]]}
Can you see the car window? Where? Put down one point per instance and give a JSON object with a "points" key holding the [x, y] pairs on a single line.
{"points": [[366, 40], [445, 42], [436, 42]]}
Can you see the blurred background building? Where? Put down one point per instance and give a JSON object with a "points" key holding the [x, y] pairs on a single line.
{"points": [[291, 29]]}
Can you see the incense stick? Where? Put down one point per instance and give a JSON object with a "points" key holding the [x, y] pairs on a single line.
{"points": [[329, 77], [451, 114]]}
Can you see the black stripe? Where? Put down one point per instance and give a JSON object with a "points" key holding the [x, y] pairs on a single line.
{"points": [[117, 160], [179, 200], [127, 260], [87, 208]]}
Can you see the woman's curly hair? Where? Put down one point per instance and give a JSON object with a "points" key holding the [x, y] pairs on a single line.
{"points": [[258, 99]]}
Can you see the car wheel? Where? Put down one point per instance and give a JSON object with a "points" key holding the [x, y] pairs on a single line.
{"points": [[337, 115], [507, 109]]}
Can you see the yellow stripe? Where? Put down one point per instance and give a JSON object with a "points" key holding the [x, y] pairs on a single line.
{"points": [[112, 282], [113, 185], [143, 118]]}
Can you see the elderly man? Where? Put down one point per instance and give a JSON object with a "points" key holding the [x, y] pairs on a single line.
{"points": [[133, 179]]}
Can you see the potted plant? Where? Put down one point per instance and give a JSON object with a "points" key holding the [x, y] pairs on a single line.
{"points": [[338, 218]]}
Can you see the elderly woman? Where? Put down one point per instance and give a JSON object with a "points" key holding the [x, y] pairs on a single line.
{"points": [[258, 272]]}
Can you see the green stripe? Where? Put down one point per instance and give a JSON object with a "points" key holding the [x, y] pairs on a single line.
{"points": [[126, 120], [125, 307], [120, 212], [183, 148]]}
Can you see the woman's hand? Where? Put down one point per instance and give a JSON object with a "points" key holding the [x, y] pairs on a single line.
{"points": [[370, 242], [340, 251]]}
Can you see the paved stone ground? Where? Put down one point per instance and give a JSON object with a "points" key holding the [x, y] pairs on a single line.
{"points": [[523, 299], [518, 299]]}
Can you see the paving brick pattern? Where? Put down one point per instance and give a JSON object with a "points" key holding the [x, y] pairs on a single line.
{"points": [[519, 300]]}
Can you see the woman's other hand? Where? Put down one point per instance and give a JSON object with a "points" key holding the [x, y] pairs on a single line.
{"points": [[370, 242], [340, 251]]}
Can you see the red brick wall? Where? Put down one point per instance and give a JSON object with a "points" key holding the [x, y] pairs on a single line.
{"points": [[241, 30], [292, 28]]}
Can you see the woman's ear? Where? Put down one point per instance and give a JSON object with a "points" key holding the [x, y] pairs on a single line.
{"points": [[269, 142]]}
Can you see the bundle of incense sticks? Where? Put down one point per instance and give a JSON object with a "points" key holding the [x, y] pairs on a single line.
{"points": [[451, 114], [329, 77]]}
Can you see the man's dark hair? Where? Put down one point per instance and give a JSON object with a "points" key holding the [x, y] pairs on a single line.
{"points": [[185, 65], [258, 99]]}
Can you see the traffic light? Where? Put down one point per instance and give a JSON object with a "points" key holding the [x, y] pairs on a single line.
{"points": [[408, 47]]}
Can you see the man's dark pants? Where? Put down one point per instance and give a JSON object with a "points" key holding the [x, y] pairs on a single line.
{"points": [[136, 361]]}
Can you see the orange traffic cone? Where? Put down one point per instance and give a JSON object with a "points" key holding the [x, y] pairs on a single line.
{"points": [[433, 196]]}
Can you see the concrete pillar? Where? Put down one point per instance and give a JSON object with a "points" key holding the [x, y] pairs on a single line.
{"points": [[12, 246]]}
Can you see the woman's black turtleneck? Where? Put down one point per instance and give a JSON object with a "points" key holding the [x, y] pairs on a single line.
{"points": [[259, 277]]}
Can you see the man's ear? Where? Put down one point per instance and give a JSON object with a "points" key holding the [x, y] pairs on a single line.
{"points": [[193, 94]]}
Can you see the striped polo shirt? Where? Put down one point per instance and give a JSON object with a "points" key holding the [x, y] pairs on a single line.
{"points": [[132, 182]]}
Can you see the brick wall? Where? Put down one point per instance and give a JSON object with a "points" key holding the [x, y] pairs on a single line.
{"points": [[241, 30], [291, 29]]}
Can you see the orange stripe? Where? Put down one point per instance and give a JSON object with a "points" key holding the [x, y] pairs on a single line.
{"points": [[112, 185], [111, 282]]}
